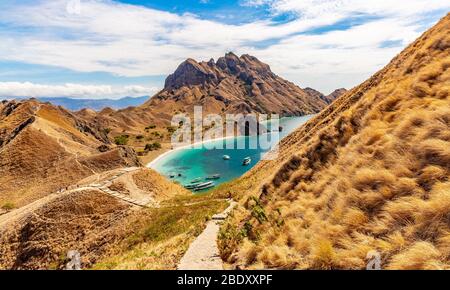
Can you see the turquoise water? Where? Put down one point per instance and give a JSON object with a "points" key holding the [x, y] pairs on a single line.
{"points": [[194, 163]]}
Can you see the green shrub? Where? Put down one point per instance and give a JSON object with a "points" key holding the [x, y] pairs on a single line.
{"points": [[150, 127], [8, 206], [121, 140], [153, 146], [140, 137], [257, 210], [171, 129], [157, 134]]}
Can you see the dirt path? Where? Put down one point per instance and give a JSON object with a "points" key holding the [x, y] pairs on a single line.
{"points": [[203, 253], [17, 214]]}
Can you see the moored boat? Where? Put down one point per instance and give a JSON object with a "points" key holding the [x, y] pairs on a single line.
{"points": [[204, 186], [211, 177], [226, 157], [197, 180], [191, 186], [246, 161]]}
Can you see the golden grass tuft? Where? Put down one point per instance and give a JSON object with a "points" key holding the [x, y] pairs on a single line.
{"points": [[323, 254], [420, 255]]}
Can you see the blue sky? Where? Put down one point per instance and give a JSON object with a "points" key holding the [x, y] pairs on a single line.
{"points": [[105, 48]]}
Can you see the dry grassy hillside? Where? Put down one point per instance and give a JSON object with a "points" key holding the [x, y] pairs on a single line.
{"points": [[371, 172], [44, 148], [87, 220]]}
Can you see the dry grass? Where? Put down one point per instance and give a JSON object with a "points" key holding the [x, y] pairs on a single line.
{"points": [[369, 173], [158, 238], [87, 221]]}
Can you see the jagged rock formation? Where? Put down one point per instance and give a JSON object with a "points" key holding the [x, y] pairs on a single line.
{"points": [[232, 85]]}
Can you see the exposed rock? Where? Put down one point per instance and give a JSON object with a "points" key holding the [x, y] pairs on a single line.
{"points": [[232, 85]]}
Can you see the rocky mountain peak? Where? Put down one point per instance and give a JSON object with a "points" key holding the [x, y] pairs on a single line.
{"points": [[191, 72], [233, 84]]}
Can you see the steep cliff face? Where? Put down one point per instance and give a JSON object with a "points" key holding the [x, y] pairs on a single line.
{"points": [[232, 85], [367, 176]]}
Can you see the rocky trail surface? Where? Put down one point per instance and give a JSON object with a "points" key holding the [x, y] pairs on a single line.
{"points": [[203, 253]]}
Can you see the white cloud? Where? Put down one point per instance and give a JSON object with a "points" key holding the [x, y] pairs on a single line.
{"points": [[136, 41], [27, 89], [344, 8]]}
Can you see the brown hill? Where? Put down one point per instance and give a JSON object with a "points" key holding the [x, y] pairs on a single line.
{"points": [[85, 219], [44, 148], [232, 85], [327, 99], [369, 173]]}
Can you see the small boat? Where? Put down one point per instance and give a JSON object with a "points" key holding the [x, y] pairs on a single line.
{"points": [[226, 157], [204, 186], [246, 161], [197, 180], [172, 175], [215, 176], [191, 186]]}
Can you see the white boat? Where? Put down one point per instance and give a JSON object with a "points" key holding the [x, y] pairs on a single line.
{"points": [[197, 180], [203, 186], [215, 176], [226, 157], [246, 161], [191, 186]]}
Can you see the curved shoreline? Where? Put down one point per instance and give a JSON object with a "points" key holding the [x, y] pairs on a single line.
{"points": [[153, 163], [189, 146]]}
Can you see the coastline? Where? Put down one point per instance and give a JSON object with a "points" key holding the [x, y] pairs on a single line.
{"points": [[152, 163]]}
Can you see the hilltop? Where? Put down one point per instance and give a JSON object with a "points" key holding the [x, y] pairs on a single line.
{"points": [[46, 148], [369, 174], [93, 217], [233, 84], [326, 98]]}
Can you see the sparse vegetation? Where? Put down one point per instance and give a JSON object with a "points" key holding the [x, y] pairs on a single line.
{"points": [[121, 140], [153, 146], [157, 134], [161, 236], [8, 206], [171, 129]]}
